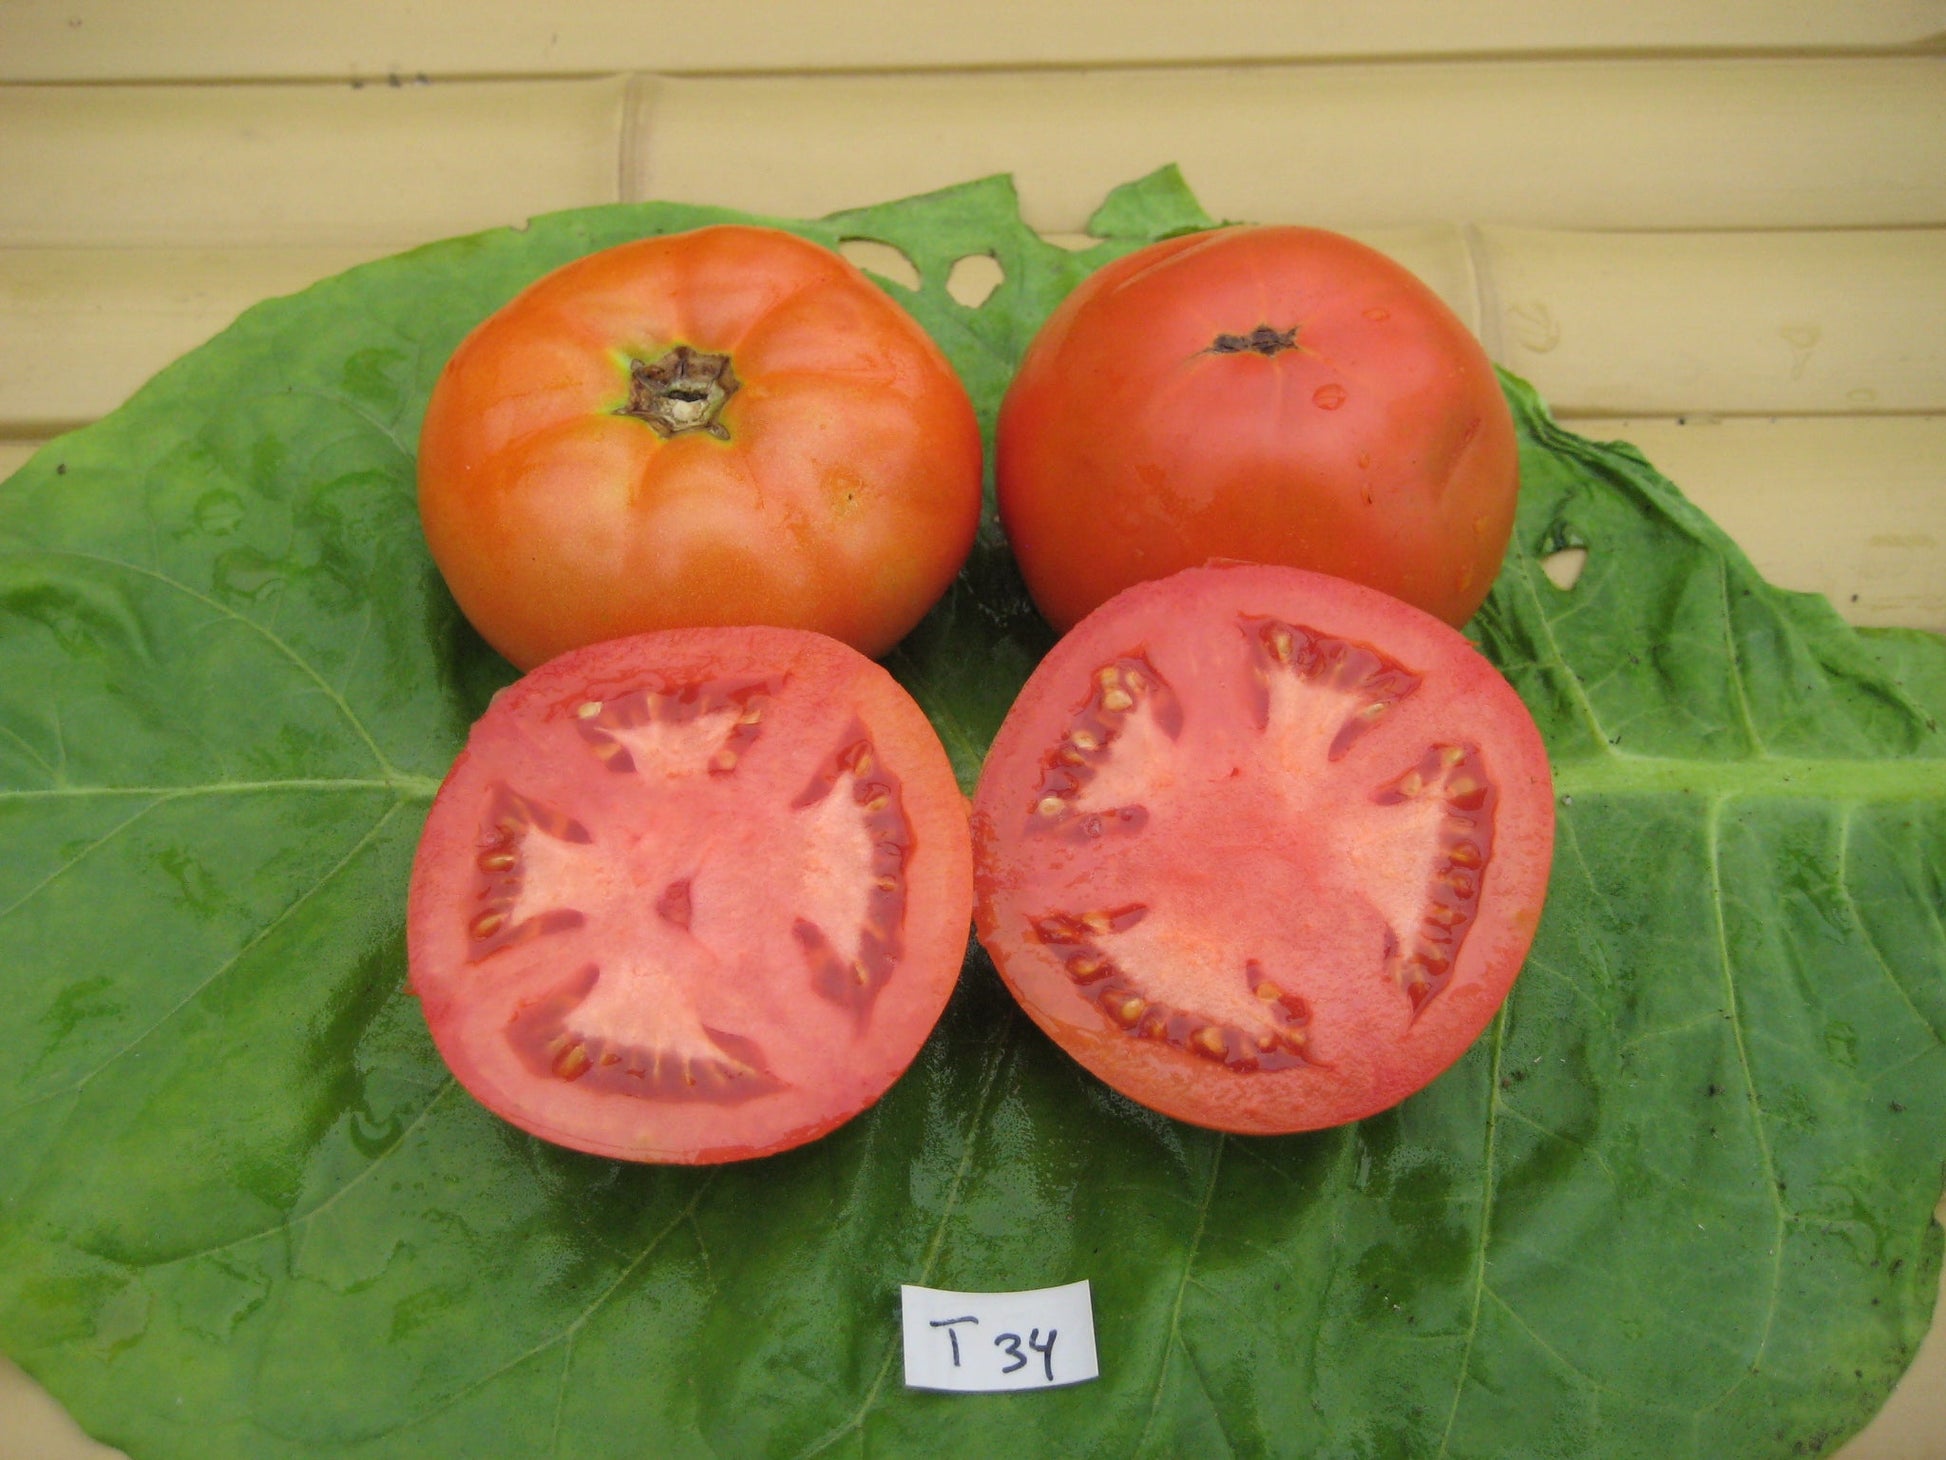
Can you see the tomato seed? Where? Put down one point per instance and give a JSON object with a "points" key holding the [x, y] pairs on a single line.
{"points": [[1209, 1041]]}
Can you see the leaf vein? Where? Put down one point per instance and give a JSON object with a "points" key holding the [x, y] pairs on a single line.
{"points": [[298, 1219], [997, 1047], [1843, 880], [1486, 1228], [1733, 1008], [79, 857], [277, 642], [284, 915], [566, 1332], [1173, 1337]]}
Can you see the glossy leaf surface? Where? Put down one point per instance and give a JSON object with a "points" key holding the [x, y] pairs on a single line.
{"points": [[1677, 1202]]}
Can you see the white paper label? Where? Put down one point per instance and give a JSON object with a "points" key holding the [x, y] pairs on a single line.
{"points": [[982, 1342]]}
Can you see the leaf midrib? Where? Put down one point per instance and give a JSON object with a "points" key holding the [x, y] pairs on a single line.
{"points": [[1794, 777]]}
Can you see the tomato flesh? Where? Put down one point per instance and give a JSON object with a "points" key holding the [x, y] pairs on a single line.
{"points": [[691, 896], [1262, 848]]}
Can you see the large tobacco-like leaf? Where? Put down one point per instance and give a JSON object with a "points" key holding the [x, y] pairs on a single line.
{"points": [[1677, 1202]]}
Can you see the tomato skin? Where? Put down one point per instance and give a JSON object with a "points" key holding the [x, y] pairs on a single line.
{"points": [[842, 497], [1271, 870], [606, 928], [1376, 445]]}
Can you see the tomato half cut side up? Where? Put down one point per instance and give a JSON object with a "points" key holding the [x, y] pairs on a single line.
{"points": [[1263, 849], [691, 896]]}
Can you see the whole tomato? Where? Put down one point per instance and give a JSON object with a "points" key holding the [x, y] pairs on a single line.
{"points": [[1272, 394], [727, 426]]}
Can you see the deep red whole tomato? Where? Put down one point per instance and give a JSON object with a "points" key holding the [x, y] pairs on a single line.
{"points": [[1262, 848], [728, 426], [691, 896], [1274, 394]]}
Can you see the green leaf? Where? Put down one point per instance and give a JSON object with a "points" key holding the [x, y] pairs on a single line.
{"points": [[1157, 206], [1676, 1202]]}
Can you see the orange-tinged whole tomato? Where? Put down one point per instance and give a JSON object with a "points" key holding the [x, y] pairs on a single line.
{"points": [[726, 426], [1272, 394]]}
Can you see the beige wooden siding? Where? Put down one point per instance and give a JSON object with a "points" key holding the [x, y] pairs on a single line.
{"points": [[96, 40]]}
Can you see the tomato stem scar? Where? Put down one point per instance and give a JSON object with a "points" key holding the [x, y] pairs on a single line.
{"points": [[685, 390], [1263, 340]]}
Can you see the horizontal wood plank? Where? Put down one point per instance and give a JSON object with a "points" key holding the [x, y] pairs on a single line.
{"points": [[1850, 507], [14, 453], [80, 329], [316, 166], [86, 40], [1660, 144], [1844, 322], [1851, 322], [36, 1428], [1563, 144]]}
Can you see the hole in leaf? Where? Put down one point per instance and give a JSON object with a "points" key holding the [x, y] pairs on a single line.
{"points": [[974, 278], [1564, 568], [882, 259], [1072, 242]]}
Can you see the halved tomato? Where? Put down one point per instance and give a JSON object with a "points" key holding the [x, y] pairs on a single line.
{"points": [[691, 896], [1262, 848]]}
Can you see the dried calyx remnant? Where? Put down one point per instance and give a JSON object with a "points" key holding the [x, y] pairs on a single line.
{"points": [[685, 390], [1263, 340]]}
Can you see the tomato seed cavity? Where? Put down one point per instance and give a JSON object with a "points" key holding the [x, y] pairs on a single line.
{"points": [[1280, 1045], [1118, 690], [1456, 776], [548, 1045], [853, 980], [1325, 662]]}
